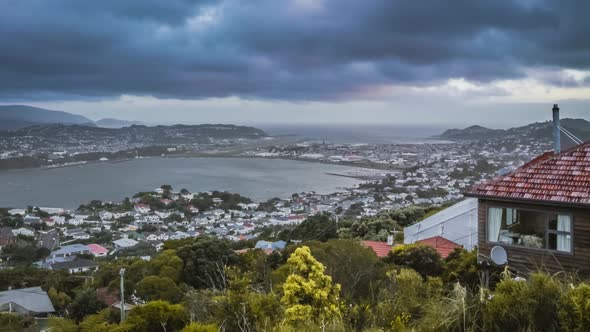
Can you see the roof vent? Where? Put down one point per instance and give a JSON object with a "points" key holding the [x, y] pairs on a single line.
{"points": [[390, 240]]}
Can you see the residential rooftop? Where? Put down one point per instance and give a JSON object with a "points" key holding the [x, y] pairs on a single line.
{"points": [[550, 178]]}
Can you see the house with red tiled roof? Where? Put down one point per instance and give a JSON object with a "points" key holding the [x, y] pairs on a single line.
{"points": [[98, 250], [443, 246], [539, 213], [381, 249]]}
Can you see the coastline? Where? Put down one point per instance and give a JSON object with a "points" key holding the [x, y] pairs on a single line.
{"points": [[262, 179], [210, 154]]}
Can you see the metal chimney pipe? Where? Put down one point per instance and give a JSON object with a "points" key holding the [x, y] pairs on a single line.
{"points": [[556, 131]]}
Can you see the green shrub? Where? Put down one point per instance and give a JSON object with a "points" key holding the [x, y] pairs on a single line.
{"points": [[525, 304], [574, 310], [196, 327], [421, 258]]}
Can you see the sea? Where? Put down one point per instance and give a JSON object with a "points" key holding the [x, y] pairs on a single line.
{"points": [[359, 134], [259, 179], [256, 178]]}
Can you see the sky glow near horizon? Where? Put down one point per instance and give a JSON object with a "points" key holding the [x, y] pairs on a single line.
{"points": [[494, 63]]}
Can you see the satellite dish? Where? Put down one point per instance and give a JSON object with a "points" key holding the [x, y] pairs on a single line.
{"points": [[499, 255]]}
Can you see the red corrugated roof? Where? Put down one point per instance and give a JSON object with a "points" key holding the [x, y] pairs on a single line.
{"points": [[97, 249], [443, 246], [380, 248], [561, 178]]}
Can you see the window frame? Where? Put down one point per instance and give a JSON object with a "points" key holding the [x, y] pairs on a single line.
{"points": [[547, 230]]}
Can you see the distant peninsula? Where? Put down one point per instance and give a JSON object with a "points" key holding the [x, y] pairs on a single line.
{"points": [[579, 127]]}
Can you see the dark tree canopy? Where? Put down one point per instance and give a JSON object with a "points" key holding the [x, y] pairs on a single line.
{"points": [[205, 261], [320, 227]]}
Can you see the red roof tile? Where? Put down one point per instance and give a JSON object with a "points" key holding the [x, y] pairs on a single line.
{"points": [[561, 178], [380, 248], [97, 249], [443, 246]]}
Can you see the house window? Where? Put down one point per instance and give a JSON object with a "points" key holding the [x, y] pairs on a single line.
{"points": [[530, 228]]}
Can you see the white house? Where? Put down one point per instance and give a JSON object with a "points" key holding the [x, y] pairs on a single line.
{"points": [[142, 208], [51, 210], [14, 212], [76, 266], [60, 220], [457, 223], [80, 235], [23, 231], [125, 243], [105, 215]]}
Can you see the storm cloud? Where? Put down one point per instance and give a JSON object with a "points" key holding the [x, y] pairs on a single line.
{"points": [[295, 50]]}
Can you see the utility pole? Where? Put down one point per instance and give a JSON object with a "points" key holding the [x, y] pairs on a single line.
{"points": [[122, 274]]}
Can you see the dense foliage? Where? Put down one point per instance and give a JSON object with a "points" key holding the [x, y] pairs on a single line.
{"points": [[328, 282]]}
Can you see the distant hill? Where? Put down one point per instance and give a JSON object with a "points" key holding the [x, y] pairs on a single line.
{"points": [[115, 123], [14, 117], [538, 130], [540, 133], [60, 135], [471, 133]]}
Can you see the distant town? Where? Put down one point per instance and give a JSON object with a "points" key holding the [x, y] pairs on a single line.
{"points": [[403, 175]]}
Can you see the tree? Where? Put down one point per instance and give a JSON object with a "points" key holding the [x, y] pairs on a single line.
{"points": [[166, 187], [205, 262], [196, 327], [319, 227], [408, 216], [574, 309], [424, 259], [15, 322], [58, 324], [354, 267], [84, 304], [309, 294], [524, 305], [153, 288], [157, 316], [167, 264], [461, 266], [105, 320], [59, 299]]}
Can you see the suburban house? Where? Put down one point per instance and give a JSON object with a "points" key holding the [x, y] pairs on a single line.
{"points": [[80, 236], [457, 223], [442, 245], [76, 266], [31, 301], [70, 250], [23, 231], [98, 250], [539, 213], [270, 246], [381, 249], [142, 208], [124, 243]]}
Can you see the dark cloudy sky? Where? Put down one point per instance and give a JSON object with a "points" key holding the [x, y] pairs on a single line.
{"points": [[266, 61]]}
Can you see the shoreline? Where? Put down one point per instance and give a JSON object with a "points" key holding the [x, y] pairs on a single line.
{"points": [[207, 155], [355, 174]]}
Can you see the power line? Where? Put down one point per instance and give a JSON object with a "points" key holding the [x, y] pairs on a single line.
{"points": [[570, 135]]}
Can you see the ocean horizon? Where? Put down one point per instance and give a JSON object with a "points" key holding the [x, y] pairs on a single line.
{"points": [[358, 134]]}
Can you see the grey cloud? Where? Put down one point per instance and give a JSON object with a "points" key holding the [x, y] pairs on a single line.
{"points": [[67, 49]]}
